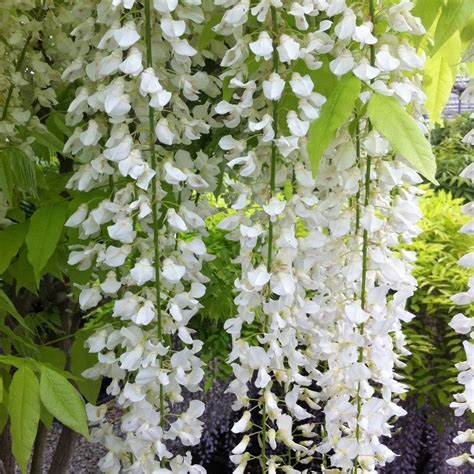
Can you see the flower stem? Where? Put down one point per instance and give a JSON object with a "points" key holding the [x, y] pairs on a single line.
{"points": [[273, 160], [155, 209], [365, 237]]}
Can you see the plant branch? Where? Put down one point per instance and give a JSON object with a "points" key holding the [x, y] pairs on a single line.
{"points": [[155, 209]]}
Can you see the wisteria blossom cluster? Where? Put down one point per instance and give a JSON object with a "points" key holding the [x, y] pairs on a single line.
{"points": [[328, 299], [464, 401], [179, 99], [138, 115]]}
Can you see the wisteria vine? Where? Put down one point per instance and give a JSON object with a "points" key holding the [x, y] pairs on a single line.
{"points": [[163, 119]]}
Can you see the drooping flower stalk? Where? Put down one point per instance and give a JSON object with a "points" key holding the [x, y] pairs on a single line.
{"points": [[154, 203], [367, 282], [144, 244], [273, 165], [266, 153], [464, 401]]}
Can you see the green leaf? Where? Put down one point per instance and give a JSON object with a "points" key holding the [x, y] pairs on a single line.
{"points": [[56, 124], [17, 173], [22, 271], [45, 230], [49, 140], [24, 409], [438, 81], [403, 133], [7, 306], [334, 113], [427, 11], [11, 240], [454, 15], [207, 33], [82, 359], [61, 399], [53, 356]]}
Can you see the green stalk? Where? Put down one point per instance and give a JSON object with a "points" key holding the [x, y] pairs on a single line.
{"points": [[365, 235], [155, 209], [12, 86], [273, 160]]}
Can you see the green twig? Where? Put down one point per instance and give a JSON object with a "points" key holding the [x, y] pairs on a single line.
{"points": [[155, 209]]}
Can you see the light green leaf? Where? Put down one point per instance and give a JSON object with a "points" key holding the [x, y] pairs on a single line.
{"points": [[454, 15], [427, 11], [46, 226], [63, 401], [403, 133], [11, 240], [82, 359], [468, 55], [438, 81], [334, 113], [17, 173], [24, 410]]}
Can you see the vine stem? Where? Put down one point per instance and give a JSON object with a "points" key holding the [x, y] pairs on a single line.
{"points": [[365, 235], [12, 86], [155, 210], [273, 160]]}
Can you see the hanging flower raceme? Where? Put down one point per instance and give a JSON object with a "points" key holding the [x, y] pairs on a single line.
{"points": [[463, 325], [367, 207], [138, 110], [272, 192]]}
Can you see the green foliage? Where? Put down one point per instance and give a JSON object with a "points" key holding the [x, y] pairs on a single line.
{"points": [[82, 359], [454, 16], [17, 174], [403, 133], [435, 347], [334, 113], [11, 239], [218, 302], [46, 226], [63, 401], [452, 156], [439, 76], [24, 409]]}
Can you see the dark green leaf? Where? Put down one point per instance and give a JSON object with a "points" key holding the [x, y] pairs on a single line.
{"points": [[11, 240], [82, 359]]}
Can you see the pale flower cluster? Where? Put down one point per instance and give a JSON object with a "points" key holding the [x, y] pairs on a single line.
{"points": [[322, 290], [143, 231], [463, 325], [324, 341]]}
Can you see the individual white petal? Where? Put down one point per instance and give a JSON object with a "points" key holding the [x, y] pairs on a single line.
{"points": [[163, 132], [273, 87], [171, 271], [127, 35]]}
